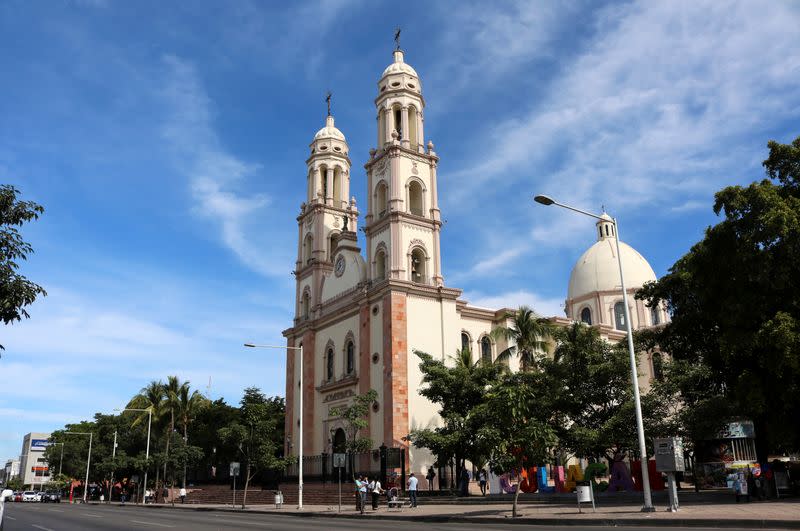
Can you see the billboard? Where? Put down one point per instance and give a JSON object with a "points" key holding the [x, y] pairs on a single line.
{"points": [[38, 445]]}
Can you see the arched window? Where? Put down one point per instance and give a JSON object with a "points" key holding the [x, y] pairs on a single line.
{"points": [[486, 350], [380, 265], [333, 244], [329, 365], [619, 316], [412, 127], [337, 187], [350, 352], [586, 316], [323, 172], [381, 196], [398, 122], [415, 198], [465, 341], [655, 316], [339, 441], [418, 263], [308, 248], [658, 366], [306, 305]]}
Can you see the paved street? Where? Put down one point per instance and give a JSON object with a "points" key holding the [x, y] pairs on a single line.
{"points": [[64, 517]]}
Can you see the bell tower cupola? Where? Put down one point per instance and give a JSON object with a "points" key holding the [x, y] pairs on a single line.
{"points": [[327, 212], [403, 221]]}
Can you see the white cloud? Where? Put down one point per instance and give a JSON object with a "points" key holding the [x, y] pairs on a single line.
{"points": [[214, 174], [544, 306]]}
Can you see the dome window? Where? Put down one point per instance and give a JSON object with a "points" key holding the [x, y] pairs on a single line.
{"points": [[586, 316], [337, 148], [323, 148], [411, 86], [383, 88], [396, 84], [619, 316]]}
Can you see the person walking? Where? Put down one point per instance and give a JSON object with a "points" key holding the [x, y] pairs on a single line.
{"points": [[412, 489], [482, 481], [182, 494], [430, 477], [376, 490], [361, 489]]}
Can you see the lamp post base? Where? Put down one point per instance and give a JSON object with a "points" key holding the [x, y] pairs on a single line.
{"points": [[650, 509]]}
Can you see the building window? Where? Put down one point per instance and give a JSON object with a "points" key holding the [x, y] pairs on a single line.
{"points": [[586, 316], [465, 341], [308, 249], [306, 305], [329, 365], [619, 316], [418, 273], [486, 350], [333, 244], [658, 366], [381, 197], [398, 123], [380, 265], [655, 316], [415, 198], [351, 357]]}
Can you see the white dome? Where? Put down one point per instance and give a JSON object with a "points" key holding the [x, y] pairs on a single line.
{"points": [[399, 66], [597, 269], [329, 131]]}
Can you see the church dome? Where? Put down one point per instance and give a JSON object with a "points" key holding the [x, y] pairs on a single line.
{"points": [[329, 131], [597, 269], [399, 66]]}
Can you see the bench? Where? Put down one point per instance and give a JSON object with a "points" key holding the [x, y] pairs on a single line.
{"points": [[398, 504]]}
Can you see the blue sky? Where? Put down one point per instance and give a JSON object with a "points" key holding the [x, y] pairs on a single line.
{"points": [[167, 142]]}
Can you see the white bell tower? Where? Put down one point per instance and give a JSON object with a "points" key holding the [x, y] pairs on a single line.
{"points": [[403, 221], [324, 215]]}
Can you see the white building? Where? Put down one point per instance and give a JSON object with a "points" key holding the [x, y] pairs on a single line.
{"points": [[359, 318], [32, 462], [11, 470]]}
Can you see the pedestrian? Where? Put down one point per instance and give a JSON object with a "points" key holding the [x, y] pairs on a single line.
{"points": [[758, 485], [122, 495], [482, 481], [430, 477], [361, 492], [376, 490], [182, 494], [740, 486], [464, 481], [412, 489]]}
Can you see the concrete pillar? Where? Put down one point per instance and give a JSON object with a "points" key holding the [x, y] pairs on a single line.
{"points": [[404, 124]]}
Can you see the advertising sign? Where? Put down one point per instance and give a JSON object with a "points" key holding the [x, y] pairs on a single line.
{"points": [[738, 430], [38, 445]]}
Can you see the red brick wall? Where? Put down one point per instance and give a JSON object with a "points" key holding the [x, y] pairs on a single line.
{"points": [[395, 369]]}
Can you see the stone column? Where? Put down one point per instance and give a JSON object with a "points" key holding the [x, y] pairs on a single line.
{"points": [[317, 184], [420, 136], [387, 122]]}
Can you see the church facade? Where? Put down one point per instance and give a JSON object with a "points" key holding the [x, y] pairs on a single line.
{"points": [[360, 316]]}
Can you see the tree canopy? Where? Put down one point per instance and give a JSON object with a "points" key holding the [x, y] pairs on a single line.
{"points": [[735, 305]]}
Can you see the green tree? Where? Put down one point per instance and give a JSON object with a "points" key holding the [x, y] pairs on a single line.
{"points": [[151, 397], [16, 291], [355, 417], [189, 405], [457, 388], [517, 425], [529, 335], [735, 304], [258, 433]]}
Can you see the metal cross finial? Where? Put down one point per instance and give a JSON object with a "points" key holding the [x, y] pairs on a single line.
{"points": [[602, 208], [397, 38], [328, 100]]}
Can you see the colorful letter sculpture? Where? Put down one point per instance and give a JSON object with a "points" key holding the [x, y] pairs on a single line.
{"points": [[656, 483], [541, 479], [558, 478], [528, 480], [506, 485], [620, 478], [574, 474]]}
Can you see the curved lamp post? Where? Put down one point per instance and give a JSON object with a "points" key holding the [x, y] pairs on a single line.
{"points": [[648, 501], [300, 446]]}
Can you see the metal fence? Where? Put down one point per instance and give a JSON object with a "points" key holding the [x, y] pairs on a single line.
{"points": [[380, 462]]}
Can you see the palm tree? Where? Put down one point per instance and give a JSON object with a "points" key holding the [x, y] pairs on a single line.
{"points": [[172, 390], [529, 333], [150, 397], [188, 407]]}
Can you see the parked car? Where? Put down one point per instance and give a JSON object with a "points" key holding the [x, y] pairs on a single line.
{"points": [[18, 496], [30, 496], [8, 495], [51, 496]]}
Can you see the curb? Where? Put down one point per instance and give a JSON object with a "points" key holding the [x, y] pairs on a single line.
{"points": [[565, 522]]}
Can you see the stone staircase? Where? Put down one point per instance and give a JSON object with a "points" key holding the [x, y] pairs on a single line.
{"points": [[313, 494]]}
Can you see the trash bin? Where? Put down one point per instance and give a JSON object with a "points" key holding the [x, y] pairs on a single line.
{"points": [[278, 499], [584, 491]]}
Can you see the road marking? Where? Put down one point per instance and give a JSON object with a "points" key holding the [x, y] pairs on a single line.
{"points": [[244, 522], [56, 510], [151, 523], [10, 517], [92, 515], [42, 527]]}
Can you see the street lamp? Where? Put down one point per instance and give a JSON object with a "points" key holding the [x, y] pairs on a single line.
{"points": [[149, 411], [88, 459], [648, 501], [300, 446]]}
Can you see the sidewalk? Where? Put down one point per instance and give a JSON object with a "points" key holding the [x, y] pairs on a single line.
{"points": [[771, 514]]}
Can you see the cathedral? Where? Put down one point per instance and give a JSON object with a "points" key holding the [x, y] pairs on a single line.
{"points": [[359, 316]]}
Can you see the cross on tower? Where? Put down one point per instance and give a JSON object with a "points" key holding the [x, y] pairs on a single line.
{"points": [[328, 101], [397, 38]]}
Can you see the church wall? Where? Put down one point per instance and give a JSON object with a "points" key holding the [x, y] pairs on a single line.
{"points": [[376, 346]]}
